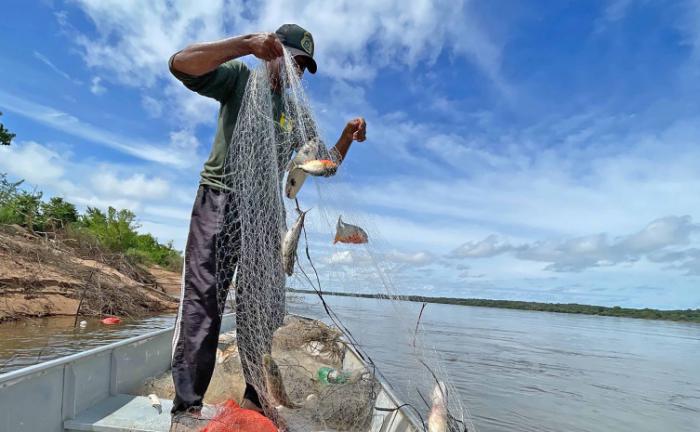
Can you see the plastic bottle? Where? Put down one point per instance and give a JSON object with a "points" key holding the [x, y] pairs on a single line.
{"points": [[329, 375]]}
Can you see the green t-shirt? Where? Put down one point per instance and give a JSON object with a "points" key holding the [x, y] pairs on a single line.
{"points": [[227, 85]]}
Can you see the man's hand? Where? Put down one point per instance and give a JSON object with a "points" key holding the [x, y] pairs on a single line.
{"points": [[356, 130], [265, 46]]}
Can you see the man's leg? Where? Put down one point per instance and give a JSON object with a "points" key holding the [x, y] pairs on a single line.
{"points": [[199, 318]]}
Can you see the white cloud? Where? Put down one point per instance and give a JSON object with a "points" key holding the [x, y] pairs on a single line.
{"points": [[134, 186], [341, 257], [416, 259], [165, 154], [32, 162], [52, 66], [153, 107], [135, 39], [96, 86], [655, 242], [488, 247]]}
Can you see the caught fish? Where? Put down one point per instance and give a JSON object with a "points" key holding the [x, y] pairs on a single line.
{"points": [[295, 180], [296, 176], [274, 383], [348, 233], [311, 150], [437, 418], [319, 167], [290, 243]]}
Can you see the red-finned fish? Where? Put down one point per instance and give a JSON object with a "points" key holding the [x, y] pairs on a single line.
{"points": [[290, 243], [319, 167], [311, 150], [437, 418], [348, 233]]}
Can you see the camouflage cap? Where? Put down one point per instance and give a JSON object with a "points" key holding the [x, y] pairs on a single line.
{"points": [[298, 42]]}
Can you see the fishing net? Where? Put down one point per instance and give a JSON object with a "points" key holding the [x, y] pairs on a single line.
{"points": [[309, 384]]}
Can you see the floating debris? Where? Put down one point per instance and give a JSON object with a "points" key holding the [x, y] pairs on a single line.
{"points": [[111, 321], [155, 402]]}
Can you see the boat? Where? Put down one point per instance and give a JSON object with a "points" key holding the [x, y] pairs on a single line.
{"points": [[95, 390]]}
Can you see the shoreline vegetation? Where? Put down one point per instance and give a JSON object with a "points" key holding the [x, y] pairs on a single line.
{"points": [[686, 315], [55, 260]]}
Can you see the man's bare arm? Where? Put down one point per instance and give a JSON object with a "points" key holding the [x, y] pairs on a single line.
{"points": [[355, 130], [199, 58]]}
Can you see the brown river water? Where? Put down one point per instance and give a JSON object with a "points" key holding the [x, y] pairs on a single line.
{"points": [[515, 370]]}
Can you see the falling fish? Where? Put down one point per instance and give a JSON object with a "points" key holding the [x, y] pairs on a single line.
{"points": [[319, 167], [155, 402], [274, 383], [348, 233], [290, 243], [437, 418]]}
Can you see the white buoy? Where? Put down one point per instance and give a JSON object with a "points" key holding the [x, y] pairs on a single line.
{"points": [[83, 324]]}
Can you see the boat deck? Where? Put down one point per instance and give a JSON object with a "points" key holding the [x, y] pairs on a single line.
{"points": [[122, 413]]}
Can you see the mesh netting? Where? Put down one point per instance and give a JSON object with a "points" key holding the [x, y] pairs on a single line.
{"points": [[276, 135]]}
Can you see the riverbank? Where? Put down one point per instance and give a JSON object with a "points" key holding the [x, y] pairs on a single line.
{"points": [[687, 315], [46, 277]]}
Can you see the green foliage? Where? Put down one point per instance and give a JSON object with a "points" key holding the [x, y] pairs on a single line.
{"points": [[7, 188], [5, 135], [114, 231], [22, 208], [58, 214]]}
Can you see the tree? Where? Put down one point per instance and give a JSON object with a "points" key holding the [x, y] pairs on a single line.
{"points": [[58, 214], [22, 209], [8, 189], [5, 135], [115, 230]]}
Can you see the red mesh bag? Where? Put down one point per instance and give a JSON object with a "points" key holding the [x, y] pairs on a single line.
{"points": [[233, 418]]}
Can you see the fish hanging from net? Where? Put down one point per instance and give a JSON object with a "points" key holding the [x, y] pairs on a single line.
{"points": [[276, 134], [273, 122]]}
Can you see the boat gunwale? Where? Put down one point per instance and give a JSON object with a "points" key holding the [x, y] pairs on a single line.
{"points": [[40, 369], [92, 352]]}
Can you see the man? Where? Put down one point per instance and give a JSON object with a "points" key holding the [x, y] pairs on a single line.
{"points": [[211, 70]]}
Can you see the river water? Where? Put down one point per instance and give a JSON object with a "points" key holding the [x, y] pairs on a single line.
{"points": [[515, 370]]}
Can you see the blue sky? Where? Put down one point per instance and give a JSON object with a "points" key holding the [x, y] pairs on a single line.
{"points": [[523, 150]]}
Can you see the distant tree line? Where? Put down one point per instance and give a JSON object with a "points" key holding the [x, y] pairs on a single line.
{"points": [[689, 315], [114, 230]]}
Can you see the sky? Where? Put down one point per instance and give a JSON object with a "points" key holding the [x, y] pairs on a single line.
{"points": [[538, 150]]}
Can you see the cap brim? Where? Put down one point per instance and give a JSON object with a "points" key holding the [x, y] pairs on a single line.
{"points": [[297, 52]]}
